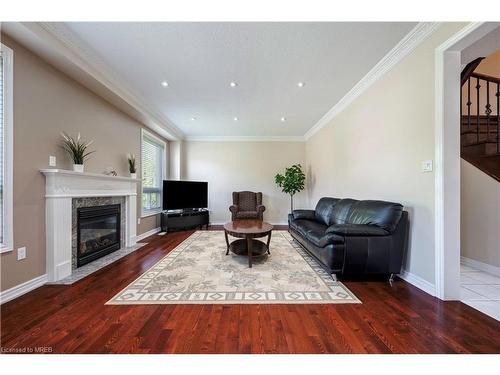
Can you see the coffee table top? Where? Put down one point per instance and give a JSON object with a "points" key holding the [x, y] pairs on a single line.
{"points": [[248, 227]]}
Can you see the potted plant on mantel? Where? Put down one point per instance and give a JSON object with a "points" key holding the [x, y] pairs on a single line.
{"points": [[131, 165], [77, 150], [291, 182]]}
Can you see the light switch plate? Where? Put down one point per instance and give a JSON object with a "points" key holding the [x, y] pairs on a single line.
{"points": [[427, 166], [52, 161], [21, 253], [138, 220]]}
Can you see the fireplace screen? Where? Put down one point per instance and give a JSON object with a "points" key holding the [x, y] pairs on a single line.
{"points": [[98, 232]]}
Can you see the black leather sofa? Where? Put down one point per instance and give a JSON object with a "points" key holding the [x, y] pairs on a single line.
{"points": [[348, 236]]}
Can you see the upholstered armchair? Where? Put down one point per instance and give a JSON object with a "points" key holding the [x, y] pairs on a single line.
{"points": [[247, 205]]}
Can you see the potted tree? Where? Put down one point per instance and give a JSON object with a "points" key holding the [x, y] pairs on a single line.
{"points": [[292, 181], [77, 150]]}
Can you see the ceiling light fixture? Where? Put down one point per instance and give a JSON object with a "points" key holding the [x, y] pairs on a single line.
{"points": [[164, 83], [193, 118], [283, 119], [301, 84], [233, 84], [235, 118]]}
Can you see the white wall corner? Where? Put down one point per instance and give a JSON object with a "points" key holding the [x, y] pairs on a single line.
{"points": [[411, 41], [19, 290]]}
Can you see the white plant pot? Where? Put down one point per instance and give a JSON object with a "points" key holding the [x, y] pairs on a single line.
{"points": [[78, 168], [133, 175]]}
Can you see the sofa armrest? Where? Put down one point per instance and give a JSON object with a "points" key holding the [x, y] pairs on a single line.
{"points": [[304, 214], [352, 230], [233, 208], [261, 208]]}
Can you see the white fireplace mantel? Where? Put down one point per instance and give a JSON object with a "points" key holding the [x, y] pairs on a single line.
{"points": [[61, 186]]}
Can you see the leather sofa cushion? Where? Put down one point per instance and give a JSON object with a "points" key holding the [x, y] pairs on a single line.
{"points": [[304, 214], [322, 239], [385, 215], [341, 211], [356, 230], [324, 210], [305, 226]]}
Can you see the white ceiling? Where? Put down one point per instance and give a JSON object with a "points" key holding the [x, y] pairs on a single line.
{"points": [[267, 60]]}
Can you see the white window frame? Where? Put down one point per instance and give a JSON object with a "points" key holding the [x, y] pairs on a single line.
{"points": [[8, 157], [150, 212]]}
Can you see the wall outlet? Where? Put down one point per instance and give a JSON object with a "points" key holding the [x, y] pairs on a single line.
{"points": [[427, 166], [52, 161], [138, 221], [21, 253]]}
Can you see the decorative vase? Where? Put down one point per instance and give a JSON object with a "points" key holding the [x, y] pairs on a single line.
{"points": [[78, 168], [133, 175]]}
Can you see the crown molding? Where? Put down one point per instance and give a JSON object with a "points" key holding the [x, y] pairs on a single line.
{"points": [[61, 47], [413, 39], [245, 139]]}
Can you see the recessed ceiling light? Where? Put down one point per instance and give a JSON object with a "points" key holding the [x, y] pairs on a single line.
{"points": [[233, 84], [235, 118], [301, 84], [164, 83], [283, 119], [193, 118]]}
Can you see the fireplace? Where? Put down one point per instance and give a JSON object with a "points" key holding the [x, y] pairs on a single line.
{"points": [[98, 232]]}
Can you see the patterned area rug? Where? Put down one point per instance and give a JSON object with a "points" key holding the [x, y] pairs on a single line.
{"points": [[198, 272]]}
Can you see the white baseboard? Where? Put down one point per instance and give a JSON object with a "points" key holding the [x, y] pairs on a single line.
{"points": [[488, 268], [417, 281], [140, 237], [19, 290]]}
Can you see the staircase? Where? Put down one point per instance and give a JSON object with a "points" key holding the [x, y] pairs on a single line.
{"points": [[480, 120]]}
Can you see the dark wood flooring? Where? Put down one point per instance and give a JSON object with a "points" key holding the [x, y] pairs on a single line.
{"points": [[397, 318]]}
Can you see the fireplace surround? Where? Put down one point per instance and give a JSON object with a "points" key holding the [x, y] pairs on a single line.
{"points": [[62, 189]]}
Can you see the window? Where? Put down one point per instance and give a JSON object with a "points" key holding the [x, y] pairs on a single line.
{"points": [[153, 172], [6, 145]]}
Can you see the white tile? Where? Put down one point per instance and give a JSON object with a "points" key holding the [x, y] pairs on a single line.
{"points": [[489, 291], [466, 279], [490, 308], [483, 277], [470, 295], [464, 268]]}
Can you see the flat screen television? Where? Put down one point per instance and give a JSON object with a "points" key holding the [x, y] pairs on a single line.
{"points": [[181, 195]]}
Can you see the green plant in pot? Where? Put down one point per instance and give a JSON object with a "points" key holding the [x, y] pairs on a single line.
{"points": [[132, 165], [292, 181], [77, 150]]}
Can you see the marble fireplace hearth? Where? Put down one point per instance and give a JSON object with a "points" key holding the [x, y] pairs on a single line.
{"points": [[65, 191]]}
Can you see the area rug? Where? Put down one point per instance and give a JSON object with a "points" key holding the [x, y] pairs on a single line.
{"points": [[198, 271]]}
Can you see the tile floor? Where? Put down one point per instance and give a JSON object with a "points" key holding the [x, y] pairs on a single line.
{"points": [[480, 290]]}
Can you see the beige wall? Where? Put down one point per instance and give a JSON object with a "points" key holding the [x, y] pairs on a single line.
{"points": [[374, 148], [235, 166], [47, 102], [480, 215]]}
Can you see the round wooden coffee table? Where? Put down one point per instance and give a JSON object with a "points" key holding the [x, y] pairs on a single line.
{"points": [[247, 230]]}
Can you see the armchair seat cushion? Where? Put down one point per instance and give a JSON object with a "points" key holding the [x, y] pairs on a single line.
{"points": [[246, 214]]}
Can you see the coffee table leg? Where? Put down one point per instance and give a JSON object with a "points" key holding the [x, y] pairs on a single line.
{"points": [[249, 250], [227, 243], [268, 242]]}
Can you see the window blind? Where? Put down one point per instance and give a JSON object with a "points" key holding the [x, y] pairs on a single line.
{"points": [[152, 172]]}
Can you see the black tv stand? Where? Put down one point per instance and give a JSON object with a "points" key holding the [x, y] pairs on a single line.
{"points": [[184, 219]]}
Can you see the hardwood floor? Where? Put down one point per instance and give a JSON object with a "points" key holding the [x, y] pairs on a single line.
{"points": [[396, 318]]}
